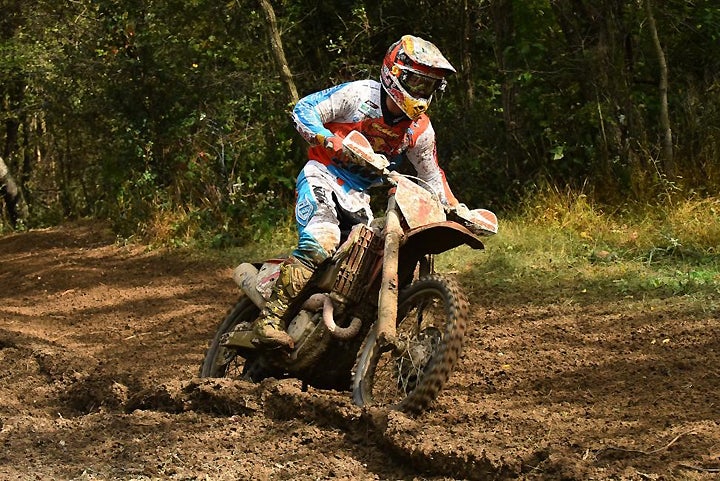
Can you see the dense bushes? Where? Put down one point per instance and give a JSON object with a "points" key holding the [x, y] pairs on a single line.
{"points": [[169, 118]]}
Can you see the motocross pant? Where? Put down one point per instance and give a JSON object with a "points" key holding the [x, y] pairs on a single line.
{"points": [[324, 211]]}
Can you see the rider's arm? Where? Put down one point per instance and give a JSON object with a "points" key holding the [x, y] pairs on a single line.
{"points": [[423, 156], [336, 104]]}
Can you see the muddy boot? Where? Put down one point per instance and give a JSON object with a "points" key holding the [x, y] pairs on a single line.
{"points": [[269, 327]]}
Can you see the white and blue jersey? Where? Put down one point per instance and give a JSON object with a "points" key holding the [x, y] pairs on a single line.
{"points": [[329, 192]]}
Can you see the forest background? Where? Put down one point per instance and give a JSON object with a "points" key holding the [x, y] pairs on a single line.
{"points": [[170, 119]]}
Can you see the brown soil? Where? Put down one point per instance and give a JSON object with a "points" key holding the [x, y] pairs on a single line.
{"points": [[100, 347]]}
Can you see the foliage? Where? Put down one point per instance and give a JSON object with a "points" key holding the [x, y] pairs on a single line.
{"points": [[169, 118], [563, 242]]}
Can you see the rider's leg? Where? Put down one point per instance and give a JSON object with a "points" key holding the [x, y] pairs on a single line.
{"points": [[322, 199], [268, 328], [319, 236]]}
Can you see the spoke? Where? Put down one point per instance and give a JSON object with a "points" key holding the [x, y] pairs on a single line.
{"points": [[396, 376], [431, 321]]}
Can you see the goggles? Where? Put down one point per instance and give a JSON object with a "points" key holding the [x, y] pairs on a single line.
{"points": [[419, 85]]}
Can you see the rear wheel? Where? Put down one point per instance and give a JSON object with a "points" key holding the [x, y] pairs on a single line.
{"points": [[221, 361], [432, 314]]}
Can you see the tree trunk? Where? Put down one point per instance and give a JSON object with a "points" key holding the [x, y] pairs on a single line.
{"points": [[502, 19], [667, 146], [600, 48], [467, 56], [14, 202], [277, 50]]}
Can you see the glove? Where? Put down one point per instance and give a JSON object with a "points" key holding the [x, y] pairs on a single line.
{"points": [[461, 210], [479, 221]]}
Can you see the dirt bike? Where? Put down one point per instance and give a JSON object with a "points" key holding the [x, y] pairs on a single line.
{"points": [[374, 318]]}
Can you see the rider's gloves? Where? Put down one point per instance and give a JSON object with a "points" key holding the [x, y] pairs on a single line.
{"points": [[461, 209]]}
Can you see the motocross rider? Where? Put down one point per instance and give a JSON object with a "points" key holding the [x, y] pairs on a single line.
{"points": [[331, 191]]}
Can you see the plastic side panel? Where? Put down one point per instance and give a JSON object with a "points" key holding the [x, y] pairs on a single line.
{"points": [[418, 206]]}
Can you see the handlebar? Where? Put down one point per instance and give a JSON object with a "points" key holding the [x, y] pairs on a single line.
{"points": [[358, 150]]}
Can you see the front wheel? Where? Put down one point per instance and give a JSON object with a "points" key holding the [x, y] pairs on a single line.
{"points": [[432, 314]]}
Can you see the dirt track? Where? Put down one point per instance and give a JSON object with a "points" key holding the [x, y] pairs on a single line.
{"points": [[100, 346]]}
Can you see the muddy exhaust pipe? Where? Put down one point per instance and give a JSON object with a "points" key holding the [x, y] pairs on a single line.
{"points": [[245, 276], [317, 301]]}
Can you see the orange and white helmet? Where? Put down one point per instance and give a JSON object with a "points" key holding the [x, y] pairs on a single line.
{"points": [[413, 69]]}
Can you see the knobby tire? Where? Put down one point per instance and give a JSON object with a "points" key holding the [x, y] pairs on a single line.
{"points": [[432, 316], [225, 362]]}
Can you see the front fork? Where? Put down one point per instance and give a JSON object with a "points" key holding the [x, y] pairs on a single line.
{"points": [[386, 325], [388, 299]]}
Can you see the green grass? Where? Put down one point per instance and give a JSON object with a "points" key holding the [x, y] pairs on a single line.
{"points": [[563, 249], [567, 250]]}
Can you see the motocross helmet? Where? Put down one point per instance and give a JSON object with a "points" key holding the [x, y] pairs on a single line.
{"points": [[413, 69]]}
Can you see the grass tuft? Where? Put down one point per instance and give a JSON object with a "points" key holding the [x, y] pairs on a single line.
{"points": [[564, 248]]}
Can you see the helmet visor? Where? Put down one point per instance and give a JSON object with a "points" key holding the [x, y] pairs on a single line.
{"points": [[419, 85]]}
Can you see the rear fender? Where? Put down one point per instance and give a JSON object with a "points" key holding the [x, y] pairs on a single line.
{"points": [[432, 239]]}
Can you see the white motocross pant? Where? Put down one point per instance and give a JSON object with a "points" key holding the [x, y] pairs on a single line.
{"points": [[324, 209]]}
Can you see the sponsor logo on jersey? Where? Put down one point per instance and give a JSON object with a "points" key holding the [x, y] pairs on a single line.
{"points": [[369, 108], [388, 132]]}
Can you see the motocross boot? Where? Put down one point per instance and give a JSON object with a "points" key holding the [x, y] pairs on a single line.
{"points": [[268, 328]]}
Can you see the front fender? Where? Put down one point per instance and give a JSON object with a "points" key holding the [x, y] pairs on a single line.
{"points": [[432, 239]]}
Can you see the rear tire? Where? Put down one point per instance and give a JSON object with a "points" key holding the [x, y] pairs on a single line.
{"points": [[432, 315], [223, 361]]}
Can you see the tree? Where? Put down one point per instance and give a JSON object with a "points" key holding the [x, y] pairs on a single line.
{"points": [[278, 51], [173, 115], [667, 142], [16, 208]]}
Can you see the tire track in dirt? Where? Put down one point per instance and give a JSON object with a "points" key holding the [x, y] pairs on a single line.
{"points": [[387, 430], [78, 387], [100, 345]]}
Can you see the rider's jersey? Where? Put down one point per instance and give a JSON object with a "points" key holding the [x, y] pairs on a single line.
{"points": [[357, 106]]}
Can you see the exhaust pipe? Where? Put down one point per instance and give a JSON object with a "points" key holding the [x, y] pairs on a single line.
{"points": [[316, 301], [245, 276]]}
